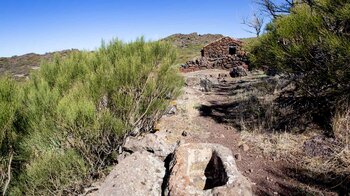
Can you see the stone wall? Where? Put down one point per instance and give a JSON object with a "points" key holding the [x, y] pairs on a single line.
{"points": [[217, 55], [221, 47]]}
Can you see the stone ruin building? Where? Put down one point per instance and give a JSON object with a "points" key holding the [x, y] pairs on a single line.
{"points": [[224, 53]]}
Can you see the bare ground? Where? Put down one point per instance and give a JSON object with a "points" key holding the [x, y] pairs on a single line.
{"points": [[270, 160], [234, 115]]}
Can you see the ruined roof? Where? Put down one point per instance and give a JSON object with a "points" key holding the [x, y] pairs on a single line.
{"points": [[238, 42]]}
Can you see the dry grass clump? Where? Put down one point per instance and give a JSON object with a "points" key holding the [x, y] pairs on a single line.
{"points": [[339, 162], [278, 145], [341, 127], [333, 170]]}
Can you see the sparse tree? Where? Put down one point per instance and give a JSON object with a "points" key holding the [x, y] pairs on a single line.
{"points": [[256, 23], [275, 9]]}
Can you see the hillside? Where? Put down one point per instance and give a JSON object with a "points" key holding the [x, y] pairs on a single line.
{"points": [[20, 66], [189, 45]]}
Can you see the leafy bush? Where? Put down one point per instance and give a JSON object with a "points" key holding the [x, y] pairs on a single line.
{"points": [[312, 45], [78, 110]]}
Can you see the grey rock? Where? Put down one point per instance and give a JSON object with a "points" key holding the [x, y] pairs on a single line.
{"points": [[192, 81], [238, 71], [154, 143], [238, 157], [138, 174], [206, 85], [244, 147], [172, 110], [135, 131]]}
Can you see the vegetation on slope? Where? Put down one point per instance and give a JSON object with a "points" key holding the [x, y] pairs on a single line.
{"points": [[310, 46], [188, 46], [65, 124], [21, 65]]}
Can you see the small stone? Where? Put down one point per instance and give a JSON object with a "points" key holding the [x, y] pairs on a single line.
{"points": [[238, 157], [135, 131], [184, 133], [250, 170], [172, 110], [244, 147], [156, 127], [275, 193]]}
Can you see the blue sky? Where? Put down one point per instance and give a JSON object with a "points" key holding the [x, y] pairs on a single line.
{"points": [[48, 25]]}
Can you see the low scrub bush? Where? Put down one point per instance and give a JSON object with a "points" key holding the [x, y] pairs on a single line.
{"points": [[311, 44], [11, 128], [78, 109]]}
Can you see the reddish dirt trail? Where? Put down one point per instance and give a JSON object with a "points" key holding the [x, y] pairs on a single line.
{"points": [[268, 174]]}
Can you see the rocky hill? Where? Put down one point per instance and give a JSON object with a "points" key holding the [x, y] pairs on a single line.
{"points": [[189, 45], [193, 39], [20, 66]]}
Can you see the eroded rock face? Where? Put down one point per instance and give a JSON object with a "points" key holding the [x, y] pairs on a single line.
{"points": [[205, 169]]}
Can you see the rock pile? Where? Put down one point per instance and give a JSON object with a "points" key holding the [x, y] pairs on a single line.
{"points": [[155, 168]]}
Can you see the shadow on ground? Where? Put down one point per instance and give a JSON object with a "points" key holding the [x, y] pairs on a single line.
{"points": [[255, 105], [329, 182]]}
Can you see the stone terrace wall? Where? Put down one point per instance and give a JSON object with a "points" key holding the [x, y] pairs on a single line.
{"points": [[216, 55]]}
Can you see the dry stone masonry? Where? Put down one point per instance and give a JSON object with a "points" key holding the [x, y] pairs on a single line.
{"points": [[225, 53]]}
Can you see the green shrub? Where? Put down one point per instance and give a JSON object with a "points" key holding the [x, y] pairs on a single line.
{"points": [[78, 109], [312, 45], [11, 127], [53, 173]]}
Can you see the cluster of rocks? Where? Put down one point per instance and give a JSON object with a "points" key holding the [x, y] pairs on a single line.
{"points": [[225, 62], [154, 167]]}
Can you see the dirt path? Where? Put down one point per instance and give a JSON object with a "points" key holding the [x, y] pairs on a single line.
{"points": [[192, 124], [206, 117]]}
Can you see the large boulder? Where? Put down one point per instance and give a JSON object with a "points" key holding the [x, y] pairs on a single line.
{"points": [[205, 169], [206, 85], [139, 174], [238, 71]]}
